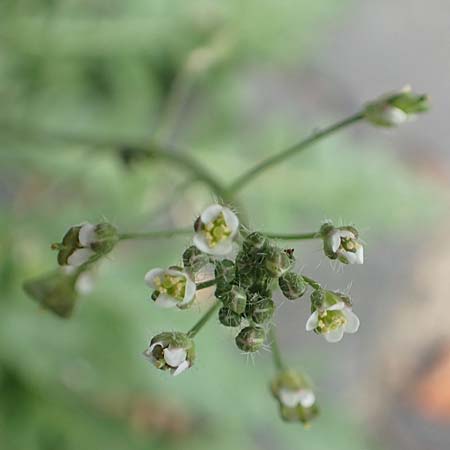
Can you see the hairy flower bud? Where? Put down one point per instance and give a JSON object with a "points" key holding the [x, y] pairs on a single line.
{"points": [[194, 260], [171, 351], [86, 243], [229, 318], [261, 309], [278, 262], [394, 109], [295, 397], [292, 285], [250, 339], [224, 272], [235, 299], [54, 291], [254, 241]]}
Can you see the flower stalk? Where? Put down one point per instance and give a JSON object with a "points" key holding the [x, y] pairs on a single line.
{"points": [[203, 320]]}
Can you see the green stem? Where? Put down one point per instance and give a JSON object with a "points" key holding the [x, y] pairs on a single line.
{"points": [[273, 160], [149, 149], [155, 234], [294, 237], [276, 353], [204, 319], [313, 283], [206, 284]]}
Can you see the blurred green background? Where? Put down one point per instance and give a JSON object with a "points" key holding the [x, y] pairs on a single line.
{"points": [[204, 76]]}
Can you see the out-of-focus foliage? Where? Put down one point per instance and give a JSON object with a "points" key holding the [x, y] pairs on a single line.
{"points": [[108, 68]]}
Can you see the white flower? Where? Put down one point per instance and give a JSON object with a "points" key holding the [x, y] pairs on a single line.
{"points": [[215, 230], [333, 321], [345, 246], [86, 237], [171, 351], [173, 288], [293, 398]]}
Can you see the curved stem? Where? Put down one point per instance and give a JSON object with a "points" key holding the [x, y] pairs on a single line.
{"points": [[147, 149], [276, 353], [294, 237], [206, 284], [273, 160], [313, 283], [155, 234], [203, 320]]}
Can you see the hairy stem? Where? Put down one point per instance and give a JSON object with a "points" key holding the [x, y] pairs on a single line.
{"points": [[273, 160], [204, 319], [294, 237], [276, 353], [155, 234], [313, 283]]}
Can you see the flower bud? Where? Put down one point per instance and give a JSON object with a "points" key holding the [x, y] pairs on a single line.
{"points": [[261, 309], [229, 318], [54, 291], [292, 285], [86, 243], [250, 339], [171, 351], [254, 241], [342, 243], [295, 397], [235, 299], [278, 262], [194, 260], [225, 272], [394, 109], [215, 230]]}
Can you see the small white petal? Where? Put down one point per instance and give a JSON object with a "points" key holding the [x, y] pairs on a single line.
{"points": [[347, 234], [336, 307], [359, 255], [87, 235], [151, 275], [174, 356], [166, 301], [350, 257], [232, 220], [181, 368], [189, 292], [312, 321], [200, 242], [335, 335], [352, 324], [221, 249], [307, 398], [335, 239], [394, 115], [289, 397], [153, 346], [210, 213], [80, 256]]}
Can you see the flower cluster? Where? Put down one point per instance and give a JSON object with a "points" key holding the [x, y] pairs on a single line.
{"points": [[248, 269]]}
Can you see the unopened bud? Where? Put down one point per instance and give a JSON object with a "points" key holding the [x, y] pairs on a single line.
{"points": [[250, 339], [261, 309], [278, 262], [254, 241], [236, 299], [229, 318], [292, 285], [194, 260]]}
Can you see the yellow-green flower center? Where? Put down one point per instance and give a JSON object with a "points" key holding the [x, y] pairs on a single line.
{"points": [[216, 231], [330, 320], [172, 285], [350, 244]]}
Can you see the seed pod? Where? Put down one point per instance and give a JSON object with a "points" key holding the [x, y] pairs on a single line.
{"points": [[292, 285], [250, 339], [229, 318]]}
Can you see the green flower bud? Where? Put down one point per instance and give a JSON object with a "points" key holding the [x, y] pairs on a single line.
{"points": [[254, 241], [278, 262], [86, 243], [261, 309], [236, 299], [295, 397], [292, 285], [194, 260], [54, 291], [225, 272], [229, 318], [250, 339], [393, 109], [171, 351]]}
